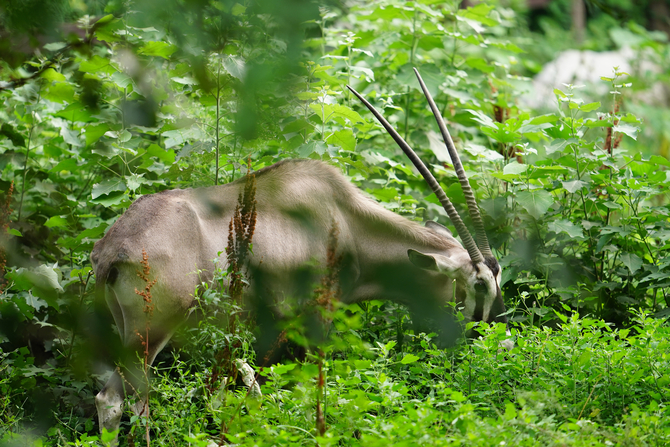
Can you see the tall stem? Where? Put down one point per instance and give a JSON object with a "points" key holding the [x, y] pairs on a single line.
{"points": [[218, 111], [411, 63]]}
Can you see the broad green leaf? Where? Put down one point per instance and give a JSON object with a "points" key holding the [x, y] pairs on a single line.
{"points": [[659, 160], [235, 66], [114, 199], [480, 13], [501, 134], [238, 10], [94, 132], [56, 221], [305, 150], [134, 181], [332, 111], [67, 164], [160, 49], [368, 73], [71, 137], [384, 194], [430, 74], [530, 128], [107, 186], [14, 232], [476, 150], [97, 64], [536, 202], [92, 233], [515, 168], [559, 93], [409, 358], [52, 75], [612, 205], [556, 146], [627, 129], [166, 157], [591, 123], [483, 119], [43, 281], [75, 112], [508, 46], [438, 147], [549, 118], [185, 80], [343, 138], [480, 64], [565, 226], [590, 107], [574, 185], [584, 357], [60, 92], [632, 261]]}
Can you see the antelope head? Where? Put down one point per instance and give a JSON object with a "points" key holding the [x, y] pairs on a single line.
{"points": [[474, 269]]}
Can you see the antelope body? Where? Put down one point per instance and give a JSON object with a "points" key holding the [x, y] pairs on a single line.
{"points": [[387, 256]]}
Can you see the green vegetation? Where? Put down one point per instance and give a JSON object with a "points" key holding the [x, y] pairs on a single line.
{"points": [[149, 96]]}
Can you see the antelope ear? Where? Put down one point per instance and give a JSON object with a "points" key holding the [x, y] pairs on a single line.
{"points": [[439, 229], [433, 262]]}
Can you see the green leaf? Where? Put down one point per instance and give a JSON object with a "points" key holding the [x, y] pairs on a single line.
{"points": [[343, 138], [584, 357], [384, 194], [107, 186], [574, 185], [238, 10], [97, 64], [67, 164], [332, 111], [556, 146], [166, 157], [632, 261], [113, 199], [52, 75], [71, 137], [483, 119], [536, 202], [501, 134], [430, 74], [235, 66], [60, 92], [14, 232], [75, 112], [409, 358], [590, 107], [515, 168], [134, 181], [160, 49], [565, 226], [627, 129], [56, 221], [43, 281], [480, 64], [94, 132], [508, 46], [658, 160]]}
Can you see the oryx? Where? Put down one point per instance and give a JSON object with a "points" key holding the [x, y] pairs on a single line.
{"points": [[388, 256]]}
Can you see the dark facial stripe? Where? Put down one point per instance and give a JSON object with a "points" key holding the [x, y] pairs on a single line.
{"points": [[479, 308]]}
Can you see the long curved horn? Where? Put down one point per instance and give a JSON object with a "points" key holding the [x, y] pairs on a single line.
{"points": [[462, 230], [482, 240]]}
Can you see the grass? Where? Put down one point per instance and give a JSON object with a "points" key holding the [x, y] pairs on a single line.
{"points": [[581, 383]]}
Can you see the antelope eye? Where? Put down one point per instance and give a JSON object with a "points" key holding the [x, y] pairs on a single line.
{"points": [[480, 287]]}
